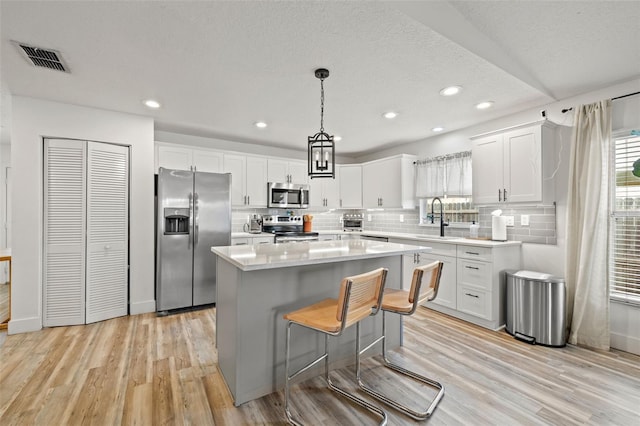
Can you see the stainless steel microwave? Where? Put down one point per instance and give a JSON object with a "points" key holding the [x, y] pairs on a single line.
{"points": [[287, 195]]}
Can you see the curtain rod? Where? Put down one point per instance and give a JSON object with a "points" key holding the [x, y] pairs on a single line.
{"points": [[445, 157], [613, 99]]}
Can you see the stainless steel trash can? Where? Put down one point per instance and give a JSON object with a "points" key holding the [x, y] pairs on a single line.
{"points": [[536, 308]]}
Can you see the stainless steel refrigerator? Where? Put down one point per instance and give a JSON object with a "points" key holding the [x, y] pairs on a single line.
{"points": [[194, 214]]}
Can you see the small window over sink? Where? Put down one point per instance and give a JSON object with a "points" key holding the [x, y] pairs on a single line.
{"points": [[455, 210]]}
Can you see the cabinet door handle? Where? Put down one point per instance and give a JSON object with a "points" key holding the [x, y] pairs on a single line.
{"points": [[499, 195], [418, 257], [472, 295], [248, 199], [472, 267], [505, 194], [340, 202], [470, 252]]}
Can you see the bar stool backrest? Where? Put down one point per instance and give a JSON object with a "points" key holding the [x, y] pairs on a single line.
{"points": [[360, 296], [420, 293]]}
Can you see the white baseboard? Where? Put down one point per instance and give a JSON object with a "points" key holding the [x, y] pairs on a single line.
{"points": [[24, 325], [625, 343], [142, 307]]}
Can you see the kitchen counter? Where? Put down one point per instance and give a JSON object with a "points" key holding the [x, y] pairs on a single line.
{"points": [[425, 238], [258, 284], [270, 256]]}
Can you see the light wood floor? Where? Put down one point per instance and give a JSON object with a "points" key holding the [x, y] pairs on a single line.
{"points": [[150, 370]]}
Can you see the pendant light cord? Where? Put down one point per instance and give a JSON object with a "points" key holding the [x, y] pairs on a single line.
{"points": [[322, 105]]}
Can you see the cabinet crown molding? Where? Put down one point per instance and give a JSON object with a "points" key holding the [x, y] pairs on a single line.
{"points": [[546, 123]]}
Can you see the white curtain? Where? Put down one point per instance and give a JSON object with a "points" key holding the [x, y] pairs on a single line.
{"points": [[458, 175], [430, 178], [448, 175], [587, 232]]}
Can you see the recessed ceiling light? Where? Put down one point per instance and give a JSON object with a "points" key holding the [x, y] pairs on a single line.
{"points": [[450, 91], [260, 124], [337, 138], [485, 105], [437, 129], [390, 115], [150, 103]]}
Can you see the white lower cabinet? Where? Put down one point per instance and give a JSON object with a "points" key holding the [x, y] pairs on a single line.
{"points": [[243, 241], [472, 284], [447, 292], [262, 240], [474, 302], [240, 241]]}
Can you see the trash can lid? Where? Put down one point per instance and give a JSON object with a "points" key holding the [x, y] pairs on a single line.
{"points": [[537, 276]]}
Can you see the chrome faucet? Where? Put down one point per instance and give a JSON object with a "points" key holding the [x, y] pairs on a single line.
{"points": [[442, 222]]}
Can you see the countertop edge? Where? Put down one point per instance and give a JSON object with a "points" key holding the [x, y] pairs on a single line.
{"points": [[296, 262]]}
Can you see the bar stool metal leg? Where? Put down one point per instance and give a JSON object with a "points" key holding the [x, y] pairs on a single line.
{"points": [[325, 356], [417, 415], [360, 297]]}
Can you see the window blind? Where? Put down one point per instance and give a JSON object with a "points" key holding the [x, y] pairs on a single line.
{"points": [[625, 224]]}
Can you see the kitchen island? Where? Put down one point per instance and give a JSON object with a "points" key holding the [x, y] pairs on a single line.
{"points": [[258, 284]]}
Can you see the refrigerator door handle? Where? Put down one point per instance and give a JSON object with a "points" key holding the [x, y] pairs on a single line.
{"points": [[196, 227], [190, 243]]}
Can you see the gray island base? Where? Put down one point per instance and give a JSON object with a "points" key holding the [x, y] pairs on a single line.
{"points": [[258, 284]]}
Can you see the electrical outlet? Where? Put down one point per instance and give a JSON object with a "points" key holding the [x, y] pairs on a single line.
{"points": [[524, 220], [509, 220], [368, 218], [401, 218]]}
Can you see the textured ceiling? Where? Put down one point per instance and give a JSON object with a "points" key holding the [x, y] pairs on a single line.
{"points": [[218, 67]]}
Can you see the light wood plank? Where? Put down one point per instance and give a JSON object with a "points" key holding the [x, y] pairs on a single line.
{"points": [[143, 369]]}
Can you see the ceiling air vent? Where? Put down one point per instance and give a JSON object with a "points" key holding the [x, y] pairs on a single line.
{"points": [[46, 58]]}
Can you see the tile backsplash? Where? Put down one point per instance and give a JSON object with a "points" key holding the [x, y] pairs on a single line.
{"points": [[541, 228]]}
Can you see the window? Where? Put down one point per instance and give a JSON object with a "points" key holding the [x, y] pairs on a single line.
{"points": [[449, 178], [624, 275]]}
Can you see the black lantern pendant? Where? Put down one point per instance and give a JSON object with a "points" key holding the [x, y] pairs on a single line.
{"points": [[321, 151]]}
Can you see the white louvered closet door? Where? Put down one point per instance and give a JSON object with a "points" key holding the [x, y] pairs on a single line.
{"points": [[107, 231], [64, 232]]}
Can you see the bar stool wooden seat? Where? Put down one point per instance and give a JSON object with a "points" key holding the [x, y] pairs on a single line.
{"points": [[360, 296], [405, 303]]}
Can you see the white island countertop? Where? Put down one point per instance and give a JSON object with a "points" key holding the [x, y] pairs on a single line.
{"points": [[270, 256]]}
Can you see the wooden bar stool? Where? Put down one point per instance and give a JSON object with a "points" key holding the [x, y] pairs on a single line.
{"points": [[405, 303], [360, 296]]}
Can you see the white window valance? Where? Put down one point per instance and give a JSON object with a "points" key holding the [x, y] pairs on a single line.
{"points": [[447, 175]]}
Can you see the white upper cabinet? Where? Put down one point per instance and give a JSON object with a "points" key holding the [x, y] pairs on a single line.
{"points": [[182, 158], [287, 171], [256, 181], [514, 165], [325, 192], [389, 182], [173, 157], [350, 186], [248, 180], [208, 161]]}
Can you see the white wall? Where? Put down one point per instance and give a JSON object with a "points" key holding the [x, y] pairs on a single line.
{"points": [[33, 119], [5, 236]]}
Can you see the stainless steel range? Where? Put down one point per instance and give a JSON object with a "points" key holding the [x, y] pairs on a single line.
{"points": [[287, 229]]}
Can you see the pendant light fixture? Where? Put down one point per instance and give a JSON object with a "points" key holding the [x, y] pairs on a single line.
{"points": [[321, 150]]}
